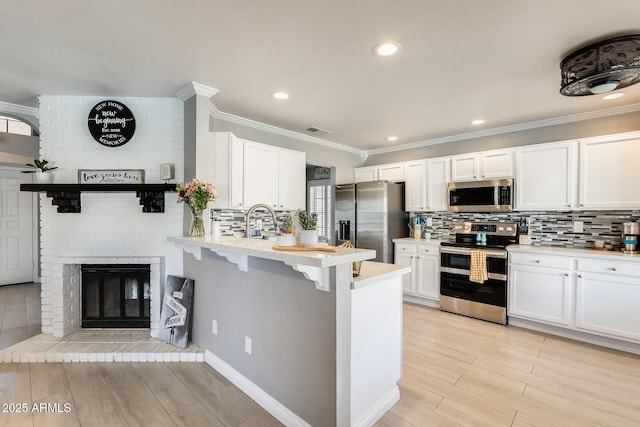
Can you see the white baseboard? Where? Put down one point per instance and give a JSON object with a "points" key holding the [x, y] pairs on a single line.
{"points": [[271, 405], [380, 408]]}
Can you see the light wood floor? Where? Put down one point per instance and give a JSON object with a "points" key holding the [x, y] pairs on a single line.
{"points": [[462, 371], [19, 313], [457, 371]]}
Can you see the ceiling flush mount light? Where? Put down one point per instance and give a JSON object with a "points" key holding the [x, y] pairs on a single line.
{"points": [[613, 96], [601, 67], [392, 138], [477, 122], [386, 48], [280, 95]]}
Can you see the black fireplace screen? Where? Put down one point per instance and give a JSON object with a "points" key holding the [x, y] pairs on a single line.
{"points": [[116, 295]]}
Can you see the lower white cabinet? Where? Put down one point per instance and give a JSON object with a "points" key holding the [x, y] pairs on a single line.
{"points": [[541, 293], [608, 305], [424, 260], [596, 295]]}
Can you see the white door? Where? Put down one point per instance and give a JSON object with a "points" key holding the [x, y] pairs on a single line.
{"points": [[260, 174], [438, 175], [16, 229], [291, 180]]}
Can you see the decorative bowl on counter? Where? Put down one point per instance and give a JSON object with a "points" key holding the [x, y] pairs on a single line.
{"points": [[286, 240]]}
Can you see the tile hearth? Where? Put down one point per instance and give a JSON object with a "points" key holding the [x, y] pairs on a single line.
{"points": [[131, 345]]}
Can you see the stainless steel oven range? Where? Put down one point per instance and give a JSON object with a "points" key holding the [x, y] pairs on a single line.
{"points": [[458, 293]]}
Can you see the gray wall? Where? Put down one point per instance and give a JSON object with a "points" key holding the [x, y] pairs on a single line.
{"points": [[317, 154], [582, 129], [292, 326]]}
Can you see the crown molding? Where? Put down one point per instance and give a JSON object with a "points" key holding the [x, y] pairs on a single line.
{"points": [[512, 128], [5, 107], [194, 88], [284, 132]]}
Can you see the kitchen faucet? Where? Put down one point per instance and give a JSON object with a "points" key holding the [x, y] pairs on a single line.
{"points": [[258, 206]]}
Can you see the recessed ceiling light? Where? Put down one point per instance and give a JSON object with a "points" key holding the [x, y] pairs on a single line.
{"points": [[477, 122], [386, 48], [613, 96], [392, 138], [280, 95]]}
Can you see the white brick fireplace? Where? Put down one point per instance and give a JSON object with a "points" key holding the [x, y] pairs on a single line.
{"points": [[111, 229]]}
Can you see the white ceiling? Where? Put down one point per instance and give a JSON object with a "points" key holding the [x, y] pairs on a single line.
{"points": [[460, 59]]}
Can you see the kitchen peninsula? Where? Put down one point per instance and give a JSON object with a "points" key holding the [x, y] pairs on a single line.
{"points": [[317, 348]]}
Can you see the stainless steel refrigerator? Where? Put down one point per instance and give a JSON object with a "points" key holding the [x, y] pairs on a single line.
{"points": [[370, 215]]}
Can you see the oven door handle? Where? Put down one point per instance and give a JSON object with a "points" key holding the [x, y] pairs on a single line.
{"points": [[467, 251]]}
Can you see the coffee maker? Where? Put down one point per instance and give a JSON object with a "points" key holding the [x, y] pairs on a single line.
{"points": [[630, 234]]}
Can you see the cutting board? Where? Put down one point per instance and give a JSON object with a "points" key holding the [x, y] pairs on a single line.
{"points": [[304, 248]]}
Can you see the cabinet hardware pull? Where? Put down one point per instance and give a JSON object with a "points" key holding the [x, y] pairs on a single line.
{"points": [[580, 276], [537, 261], [566, 274], [611, 268]]}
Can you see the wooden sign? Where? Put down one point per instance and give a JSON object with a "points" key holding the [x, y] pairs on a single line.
{"points": [[110, 176], [111, 123]]}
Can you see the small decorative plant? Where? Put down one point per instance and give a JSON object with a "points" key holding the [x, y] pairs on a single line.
{"points": [[307, 222], [288, 224], [40, 166]]}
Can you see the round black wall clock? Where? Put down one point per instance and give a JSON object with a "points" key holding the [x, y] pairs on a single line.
{"points": [[111, 123]]}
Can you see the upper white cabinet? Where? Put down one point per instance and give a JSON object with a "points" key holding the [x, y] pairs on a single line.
{"points": [[391, 172], [415, 189], [478, 166], [291, 185], [226, 163], [425, 184], [260, 174], [438, 175], [366, 174], [246, 173], [545, 176], [609, 176], [465, 167]]}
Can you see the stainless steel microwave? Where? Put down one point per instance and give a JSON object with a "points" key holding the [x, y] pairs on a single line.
{"points": [[480, 196]]}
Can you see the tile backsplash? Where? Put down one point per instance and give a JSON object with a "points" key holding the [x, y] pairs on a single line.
{"points": [[550, 228]]}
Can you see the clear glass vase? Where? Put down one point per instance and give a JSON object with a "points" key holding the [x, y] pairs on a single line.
{"points": [[197, 223]]}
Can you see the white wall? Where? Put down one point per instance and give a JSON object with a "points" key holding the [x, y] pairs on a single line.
{"points": [[110, 224]]}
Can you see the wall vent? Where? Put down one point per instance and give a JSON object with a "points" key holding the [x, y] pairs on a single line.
{"points": [[315, 129]]}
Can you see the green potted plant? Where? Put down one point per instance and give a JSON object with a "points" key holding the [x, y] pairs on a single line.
{"points": [[41, 171], [308, 234]]}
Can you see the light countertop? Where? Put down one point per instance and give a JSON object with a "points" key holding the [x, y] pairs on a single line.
{"points": [[575, 252], [373, 272], [419, 242], [264, 249]]}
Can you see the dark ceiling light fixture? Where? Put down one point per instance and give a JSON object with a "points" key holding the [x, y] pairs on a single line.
{"points": [[601, 67]]}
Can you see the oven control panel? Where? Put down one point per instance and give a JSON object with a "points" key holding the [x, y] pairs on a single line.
{"points": [[493, 228]]}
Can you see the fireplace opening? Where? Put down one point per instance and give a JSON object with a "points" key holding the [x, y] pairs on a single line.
{"points": [[116, 295]]}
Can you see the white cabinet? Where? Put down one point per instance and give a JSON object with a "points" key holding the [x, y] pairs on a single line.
{"points": [[607, 297], [486, 165], [595, 296], [426, 184], [226, 165], [415, 188], [609, 175], [260, 174], [438, 175], [393, 172], [246, 173], [424, 280], [541, 288], [496, 164], [366, 174], [291, 184], [546, 176], [465, 167]]}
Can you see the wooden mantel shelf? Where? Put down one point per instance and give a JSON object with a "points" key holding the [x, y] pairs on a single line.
{"points": [[67, 196]]}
